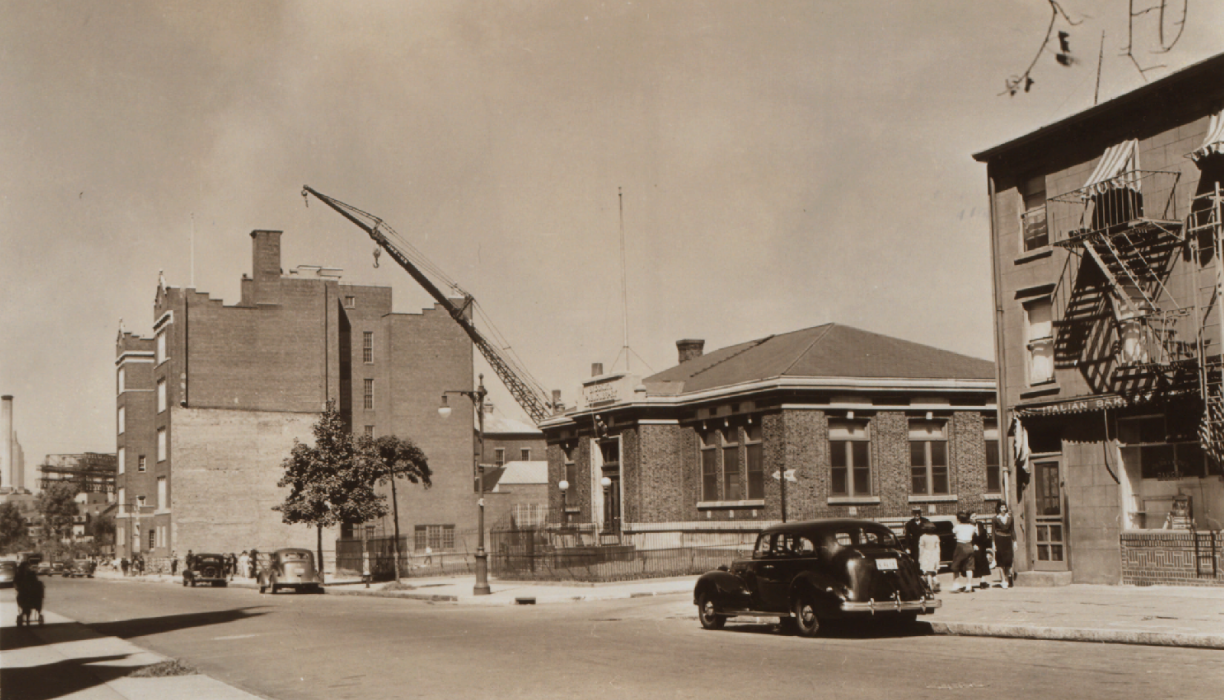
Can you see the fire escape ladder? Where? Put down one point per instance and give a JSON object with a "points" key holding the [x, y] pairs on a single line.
{"points": [[1122, 292], [1205, 229]]}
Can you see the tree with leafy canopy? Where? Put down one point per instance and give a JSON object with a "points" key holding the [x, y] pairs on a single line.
{"points": [[13, 532], [57, 505], [102, 529], [331, 481], [393, 458]]}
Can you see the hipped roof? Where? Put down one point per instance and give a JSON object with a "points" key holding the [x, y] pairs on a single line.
{"points": [[830, 350]]}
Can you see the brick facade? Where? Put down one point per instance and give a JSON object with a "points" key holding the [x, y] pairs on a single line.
{"points": [[1172, 558], [240, 382]]}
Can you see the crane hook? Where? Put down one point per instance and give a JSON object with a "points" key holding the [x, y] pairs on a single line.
{"points": [[377, 252], [305, 199]]}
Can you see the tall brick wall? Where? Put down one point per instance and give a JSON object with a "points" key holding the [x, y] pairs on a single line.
{"points": [[1172, 558], [226, 468]]}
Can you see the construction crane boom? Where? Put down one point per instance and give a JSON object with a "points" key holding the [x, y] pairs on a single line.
{"points": [[530, 397]]}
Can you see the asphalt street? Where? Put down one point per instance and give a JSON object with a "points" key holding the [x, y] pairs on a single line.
{"points": [[333, 646]]}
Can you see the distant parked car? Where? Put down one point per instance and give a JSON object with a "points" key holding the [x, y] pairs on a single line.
{"points": [[291, 568], [809, 573], [82, 568], [8, 573], [205, 568]]}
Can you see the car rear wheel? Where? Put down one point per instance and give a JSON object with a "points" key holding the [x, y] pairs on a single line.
{"points": [[708, 616], [807, 621]]}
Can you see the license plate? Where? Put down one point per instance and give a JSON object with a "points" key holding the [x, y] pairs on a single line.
{"points": [[886, 564]]}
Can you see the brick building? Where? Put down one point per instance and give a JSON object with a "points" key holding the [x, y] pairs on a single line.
{"points": [[828, 421], [1106, 243], [209, 406]]}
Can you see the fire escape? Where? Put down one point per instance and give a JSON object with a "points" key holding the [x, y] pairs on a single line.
{"points": [[1116, 314]]}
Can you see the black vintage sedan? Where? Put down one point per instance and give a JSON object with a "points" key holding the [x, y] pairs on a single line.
{"points": [[809, 573], [205, 568]]}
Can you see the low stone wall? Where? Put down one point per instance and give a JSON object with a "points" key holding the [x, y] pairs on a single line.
{"points": [[1172, 558]]}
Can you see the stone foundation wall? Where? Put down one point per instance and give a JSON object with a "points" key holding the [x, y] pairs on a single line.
{"points": [[1167, 558]]}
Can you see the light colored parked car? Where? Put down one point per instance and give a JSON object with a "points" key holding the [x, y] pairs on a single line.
{"points": [[290, 568]]}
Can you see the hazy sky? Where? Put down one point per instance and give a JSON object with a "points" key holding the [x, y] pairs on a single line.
{"points": [[784, 164]]}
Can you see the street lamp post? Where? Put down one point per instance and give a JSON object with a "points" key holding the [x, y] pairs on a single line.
{"points": [[564, 487], [482, 558]]}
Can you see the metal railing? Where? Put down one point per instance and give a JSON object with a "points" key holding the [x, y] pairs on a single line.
{"points": [[1113, 204]]}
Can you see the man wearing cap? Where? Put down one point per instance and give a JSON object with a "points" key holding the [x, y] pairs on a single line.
{"points": [[913, 531]]}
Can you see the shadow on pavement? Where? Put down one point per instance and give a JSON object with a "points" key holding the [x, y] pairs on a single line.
{"points": [[12, 638], [61, 678], [839, 629]]}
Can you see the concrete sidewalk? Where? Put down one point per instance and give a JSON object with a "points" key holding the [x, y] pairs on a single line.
{"points": [[1181, 616], [64, 659]]}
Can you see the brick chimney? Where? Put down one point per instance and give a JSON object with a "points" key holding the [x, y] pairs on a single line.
{"points": [[266, 266], [689, 349]]}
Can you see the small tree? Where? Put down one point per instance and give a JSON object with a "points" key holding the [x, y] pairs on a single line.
{"points": [[58, 507], [395, 458], [330, 482], [13, 533], [102, 528]]}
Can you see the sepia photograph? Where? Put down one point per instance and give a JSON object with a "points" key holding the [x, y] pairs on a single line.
{"points": [[611, 348]]}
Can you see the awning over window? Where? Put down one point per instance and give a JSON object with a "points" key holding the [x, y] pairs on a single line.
{"points": [[1214, 143], [1112, 171]]}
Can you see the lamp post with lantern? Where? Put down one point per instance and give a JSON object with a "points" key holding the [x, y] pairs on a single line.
{"points": [[482, 558]]}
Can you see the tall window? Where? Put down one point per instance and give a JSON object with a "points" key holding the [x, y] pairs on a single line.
{"points": [[161, 395], [141, 463], [367, 347], [1040, 336], [122, 380], [121, 455], [732, 485], [928, 458], [709, 466], [525, 454], [369, 431], [122, 416], [152, 538], [161, 493], [756, 461], [161, 444], [571, 468], [994, 472], [499, 456], [1033, 218], [161, 347], [850, 458], [368, 398], [122, 500]]}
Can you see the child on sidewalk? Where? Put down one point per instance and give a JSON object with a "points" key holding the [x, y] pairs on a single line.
{"points": [[928, 555]]}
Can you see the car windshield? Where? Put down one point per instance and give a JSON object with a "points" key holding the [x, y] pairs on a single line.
{"points": [[294, 556]]}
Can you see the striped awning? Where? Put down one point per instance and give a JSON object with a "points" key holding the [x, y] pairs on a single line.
{"points": [[1214, 143], [1116, 169]]}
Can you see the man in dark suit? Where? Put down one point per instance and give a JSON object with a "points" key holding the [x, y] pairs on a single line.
{"points": [[913, 531]]}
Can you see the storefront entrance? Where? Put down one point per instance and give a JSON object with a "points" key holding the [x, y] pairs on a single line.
{"points": [[1049, 523]]}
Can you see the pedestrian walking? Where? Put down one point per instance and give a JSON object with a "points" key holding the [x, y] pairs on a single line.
{"points": [[189, 562], [981, 554], [173, 563], [254, 562], [244, 564], [962, 560], [231, 563], [928, 556], [1004, 527], [124, 564], [913, 531], [428, 556]]}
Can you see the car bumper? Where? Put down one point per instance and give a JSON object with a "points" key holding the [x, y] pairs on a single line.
{"points": [[886, 606]]}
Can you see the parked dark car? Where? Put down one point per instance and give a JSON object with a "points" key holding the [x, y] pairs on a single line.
{"points": [[205, 568], [809, 573], [82, 568], [291, 568], [8, 573]]}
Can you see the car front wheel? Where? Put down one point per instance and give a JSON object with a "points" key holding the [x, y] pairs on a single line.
{"points": [[706, 613], [807, 621]]}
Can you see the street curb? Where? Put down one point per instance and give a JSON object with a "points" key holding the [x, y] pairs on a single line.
{"points": [[1075, 634]]}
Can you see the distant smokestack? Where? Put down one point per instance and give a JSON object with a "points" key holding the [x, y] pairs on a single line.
{"points": [[6, 441], [689, 349], [596, 369]]}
